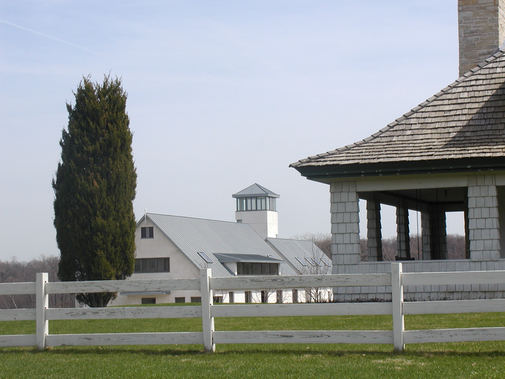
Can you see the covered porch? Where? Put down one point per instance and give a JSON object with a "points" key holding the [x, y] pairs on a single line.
{"points": [[477, 196]]}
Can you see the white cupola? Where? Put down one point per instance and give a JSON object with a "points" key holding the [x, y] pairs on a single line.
{"points": [[256, 206]]}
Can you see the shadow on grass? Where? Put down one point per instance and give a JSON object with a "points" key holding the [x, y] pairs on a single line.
{"points": [[376, 353], [224, 351]]}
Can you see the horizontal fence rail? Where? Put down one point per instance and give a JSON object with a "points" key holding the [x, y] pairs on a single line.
{"points": [[300, 281], [17, 288], [176, 338], [313, 309], [306, 336], [123, 313], [209, 337], [122, 286]]}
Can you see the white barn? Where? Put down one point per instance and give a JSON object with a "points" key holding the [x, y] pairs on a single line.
{"points": [[178, 247]]}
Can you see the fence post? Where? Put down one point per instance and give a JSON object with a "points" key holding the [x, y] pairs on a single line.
{"points": [[207, 303], [397, 300], [41, 304]]}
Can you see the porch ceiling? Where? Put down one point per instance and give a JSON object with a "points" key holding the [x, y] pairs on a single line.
{"points": [[451, 199]]}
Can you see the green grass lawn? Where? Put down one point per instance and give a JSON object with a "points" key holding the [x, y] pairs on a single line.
{"points": [[448, 360]]}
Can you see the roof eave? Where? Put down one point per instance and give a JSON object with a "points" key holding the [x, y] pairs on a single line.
{"points": [[324, 173]]}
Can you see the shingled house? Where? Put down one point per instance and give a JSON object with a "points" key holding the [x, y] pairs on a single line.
{"points": [[445, 155]]}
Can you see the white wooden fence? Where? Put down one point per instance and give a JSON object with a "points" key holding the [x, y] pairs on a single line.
{"points": [[209, 337]]}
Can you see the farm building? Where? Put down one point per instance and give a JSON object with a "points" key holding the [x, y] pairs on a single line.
{"points": [[175, 247], [445, 155]]}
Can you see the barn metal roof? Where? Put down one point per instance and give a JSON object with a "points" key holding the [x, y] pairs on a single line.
{"points": [[248, 258], [193, 235], [291, 249]]}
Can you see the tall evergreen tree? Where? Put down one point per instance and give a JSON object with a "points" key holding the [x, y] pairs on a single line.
{"points": [[94, 189]]}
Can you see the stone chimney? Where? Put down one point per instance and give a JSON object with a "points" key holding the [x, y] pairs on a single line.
{"points": [[481, 31]]}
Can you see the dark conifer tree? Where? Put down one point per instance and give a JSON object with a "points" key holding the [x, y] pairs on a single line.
{"points": [[94, 189]]}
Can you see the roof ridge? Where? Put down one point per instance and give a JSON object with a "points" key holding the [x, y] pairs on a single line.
{"points": [[192, 218], [499, 53], [290, 239]]}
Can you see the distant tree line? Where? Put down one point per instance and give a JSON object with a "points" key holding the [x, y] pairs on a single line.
{"points": [[455, 246], [14, 271]]}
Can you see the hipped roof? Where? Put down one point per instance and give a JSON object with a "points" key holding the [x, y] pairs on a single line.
{"points": [[255, 190], [460, 128]]}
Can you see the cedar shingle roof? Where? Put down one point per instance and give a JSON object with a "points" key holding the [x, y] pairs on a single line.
{"points": [[464, 122]]}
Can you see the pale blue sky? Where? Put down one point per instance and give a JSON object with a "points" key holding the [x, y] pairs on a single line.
{"points": [[222, 94]]}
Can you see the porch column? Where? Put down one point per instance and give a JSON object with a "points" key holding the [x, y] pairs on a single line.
{"points": [[402, 232], [426, 234], [483, 222], [345, 247], [434, 233], [374, 232], [439, 233]]}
